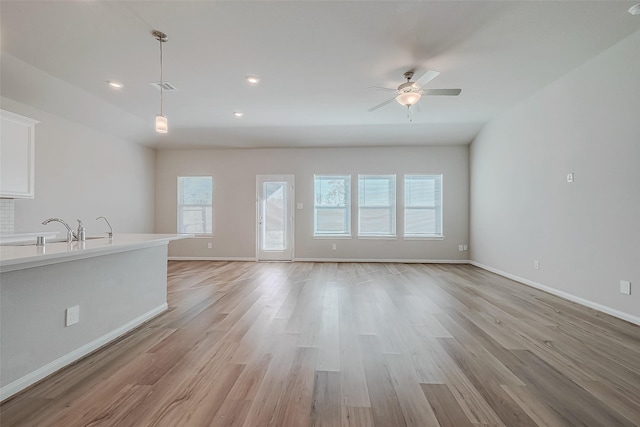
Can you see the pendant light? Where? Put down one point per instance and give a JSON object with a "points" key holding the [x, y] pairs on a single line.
{"points": [[162, 125]]}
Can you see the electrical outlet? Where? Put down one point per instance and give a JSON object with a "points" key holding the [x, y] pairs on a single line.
{"points": [[333, 247], [460, 248], [210, 245], [536, 264], [73, 315], [466, 247], [625, 287]]}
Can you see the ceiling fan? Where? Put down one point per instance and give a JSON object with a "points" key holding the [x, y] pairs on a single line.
{"points": [[409, 93]]}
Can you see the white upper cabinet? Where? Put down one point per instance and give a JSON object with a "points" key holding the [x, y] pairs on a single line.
{"points": [[17, 155]]}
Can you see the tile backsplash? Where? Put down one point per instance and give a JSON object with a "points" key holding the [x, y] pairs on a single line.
{"points": [[6, 216]]}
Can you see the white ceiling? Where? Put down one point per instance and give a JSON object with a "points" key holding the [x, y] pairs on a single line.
{"points": [[316, 60]]}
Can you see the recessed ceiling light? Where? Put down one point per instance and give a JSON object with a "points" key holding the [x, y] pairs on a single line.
{"points": [[238, 114], [253, 80], [635, 9], [115, 85]]}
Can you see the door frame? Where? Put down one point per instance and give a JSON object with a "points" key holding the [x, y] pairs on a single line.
{"points": [[290, 179]]}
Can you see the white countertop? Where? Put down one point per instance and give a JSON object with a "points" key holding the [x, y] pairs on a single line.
{"points": [[25, 237], [19, 257]]}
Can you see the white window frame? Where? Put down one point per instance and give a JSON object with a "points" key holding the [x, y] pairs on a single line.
{"points": [[180, 206], [346, 233], [436, 206], [392, 207]]}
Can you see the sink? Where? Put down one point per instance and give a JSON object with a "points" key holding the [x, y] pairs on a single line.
{"points": [[33, 243]]}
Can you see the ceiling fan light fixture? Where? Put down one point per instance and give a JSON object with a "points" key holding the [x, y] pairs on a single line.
{"points": [[253, 80], [408, 98]]}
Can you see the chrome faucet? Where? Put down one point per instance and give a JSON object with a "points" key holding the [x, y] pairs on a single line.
{"points": [[110, 232], [71, 235]]}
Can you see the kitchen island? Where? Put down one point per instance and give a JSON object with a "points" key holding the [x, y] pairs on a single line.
{"points": [[108, 285]]}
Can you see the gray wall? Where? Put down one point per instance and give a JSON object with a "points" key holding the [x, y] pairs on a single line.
{"points": [[234, 175], [111, 290], [586, 235], [84, 173]]}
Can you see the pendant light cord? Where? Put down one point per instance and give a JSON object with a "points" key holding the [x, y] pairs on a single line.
{"points": [[161, 83]]}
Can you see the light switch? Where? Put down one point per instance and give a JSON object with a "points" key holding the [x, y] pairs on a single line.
{"points": [[299, 205], [570, 177]]}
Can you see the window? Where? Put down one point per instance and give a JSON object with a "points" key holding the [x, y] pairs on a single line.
{"points": [[195, 207], [332, 205], [377, 205], [423, 205]]}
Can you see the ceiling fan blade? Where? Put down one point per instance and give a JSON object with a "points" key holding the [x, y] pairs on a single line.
{"points": [[427, 77], [445, 92], [383, 88], [382, 104]]}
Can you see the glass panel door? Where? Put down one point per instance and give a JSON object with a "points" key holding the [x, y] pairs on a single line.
{"points": [[275, 217]]}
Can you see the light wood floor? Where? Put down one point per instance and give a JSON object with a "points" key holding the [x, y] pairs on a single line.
{"points": [[297, 344]]}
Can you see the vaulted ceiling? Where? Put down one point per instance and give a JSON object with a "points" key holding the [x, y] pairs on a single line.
{"points": [[316, 61]]}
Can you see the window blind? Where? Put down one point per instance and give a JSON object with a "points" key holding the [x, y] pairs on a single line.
{"points": [[332, 205], [376, 205], [423, 205], [195, 204]]}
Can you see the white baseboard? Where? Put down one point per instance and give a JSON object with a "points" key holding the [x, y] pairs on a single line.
{"points": [[51, 367], [210, 258], [573, 298], [401, 261]]}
